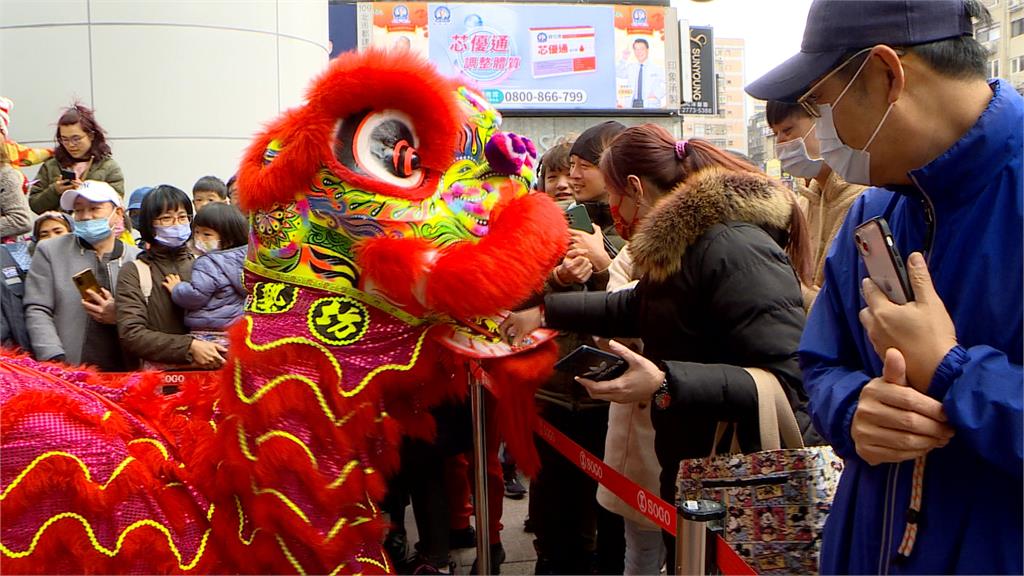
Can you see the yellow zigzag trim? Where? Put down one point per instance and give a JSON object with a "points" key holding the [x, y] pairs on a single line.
{"points": [[288, 555], [256, 396], [51, 454], [284, 499], [336, 528], [293, 438], [120, 539], [330, 357], [344, 474], [241, 522], [243, 443], [161, 447]]}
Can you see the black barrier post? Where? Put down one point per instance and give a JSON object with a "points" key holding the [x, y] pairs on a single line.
{"points": [[477, 395], [692, 517]]}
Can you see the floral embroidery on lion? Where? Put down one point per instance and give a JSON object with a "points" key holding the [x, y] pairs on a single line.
{"points": [[391, 222]]}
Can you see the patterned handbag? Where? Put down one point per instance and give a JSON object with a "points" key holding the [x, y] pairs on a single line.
{"points": [[777, 499]]}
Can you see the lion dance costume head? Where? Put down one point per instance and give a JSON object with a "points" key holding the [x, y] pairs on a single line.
{"points": [[391, 224]]}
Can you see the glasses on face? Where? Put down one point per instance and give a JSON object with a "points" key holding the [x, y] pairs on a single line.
{"points": [[73, 141], [171, 220], [809, 100]]}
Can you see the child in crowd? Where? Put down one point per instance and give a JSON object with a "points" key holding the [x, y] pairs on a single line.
{"points": [[215, 296], [209, 190]]}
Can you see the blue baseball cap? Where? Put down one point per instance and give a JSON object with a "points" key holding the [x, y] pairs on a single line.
{"points": [[837, 27], [135, 200]]}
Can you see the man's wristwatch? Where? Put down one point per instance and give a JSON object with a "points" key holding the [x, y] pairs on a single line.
{"points": [[662, 396]]}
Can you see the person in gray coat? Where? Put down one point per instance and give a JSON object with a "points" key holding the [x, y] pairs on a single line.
{"points": [[61, 324], [215, 296]]}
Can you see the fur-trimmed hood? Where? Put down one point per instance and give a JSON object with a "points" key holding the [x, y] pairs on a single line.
{"points": [[710, 197]]}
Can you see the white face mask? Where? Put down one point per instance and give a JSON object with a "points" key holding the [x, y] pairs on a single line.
{"points": [[795, 159], [206, 247], [854, 166]]}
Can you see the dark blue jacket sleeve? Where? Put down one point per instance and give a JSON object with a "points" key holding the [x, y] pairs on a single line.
{"points": [[981, 392], [194, 295], [833, 376]]}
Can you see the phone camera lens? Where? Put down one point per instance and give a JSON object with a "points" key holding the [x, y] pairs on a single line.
{"points": [[862, 244]]}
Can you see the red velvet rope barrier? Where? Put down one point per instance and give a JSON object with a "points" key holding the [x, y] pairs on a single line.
{"points": [[644, 501]]}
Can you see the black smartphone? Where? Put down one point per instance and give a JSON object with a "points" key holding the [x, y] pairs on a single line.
{"points": [[885, 266], [68, 175], [593, 364], [579, 219]]}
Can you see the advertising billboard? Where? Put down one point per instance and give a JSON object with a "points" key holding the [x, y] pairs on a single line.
{"points": [[539, 56], [702, 73]]}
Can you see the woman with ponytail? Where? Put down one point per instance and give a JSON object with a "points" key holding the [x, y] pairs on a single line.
{"points": [[715, 247]]}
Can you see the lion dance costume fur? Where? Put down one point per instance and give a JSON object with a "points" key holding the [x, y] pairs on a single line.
{"points": [[391, 220]]}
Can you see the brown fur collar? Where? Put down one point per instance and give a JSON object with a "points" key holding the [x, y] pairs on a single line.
{"points": [[708, 198]]}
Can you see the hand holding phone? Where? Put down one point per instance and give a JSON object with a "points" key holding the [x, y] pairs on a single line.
{"points": [[592, 364], [881, 258], [579, 219], [85, 281], [68, 174]]}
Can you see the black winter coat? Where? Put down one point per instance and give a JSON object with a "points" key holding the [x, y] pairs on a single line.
{"points": [[717, 294]]}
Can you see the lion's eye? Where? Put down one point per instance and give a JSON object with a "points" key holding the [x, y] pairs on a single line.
{"points": [[380, 144]]}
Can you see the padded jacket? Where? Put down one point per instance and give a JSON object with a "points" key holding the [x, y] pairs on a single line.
{"points": [[215, 296], [972, 510], [716, 294]]}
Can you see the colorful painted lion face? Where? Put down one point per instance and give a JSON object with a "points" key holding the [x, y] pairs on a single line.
{"points": [[425, 161]]}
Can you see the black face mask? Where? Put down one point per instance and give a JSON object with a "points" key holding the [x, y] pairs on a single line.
{"points": [[136, 218]]}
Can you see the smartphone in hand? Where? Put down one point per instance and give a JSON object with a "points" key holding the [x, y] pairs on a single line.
{"points": [[68, 175], [86, 281], [881, 258], [593, 364], [579, 219]]}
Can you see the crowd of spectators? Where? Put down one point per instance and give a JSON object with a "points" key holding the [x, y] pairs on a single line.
{"points": [[80, 276], [694, 267]]}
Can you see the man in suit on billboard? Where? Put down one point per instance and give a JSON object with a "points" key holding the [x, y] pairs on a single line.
{"points": [[647, 80]]}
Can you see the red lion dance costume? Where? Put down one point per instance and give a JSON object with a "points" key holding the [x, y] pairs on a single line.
{"points": [[391, 221]]}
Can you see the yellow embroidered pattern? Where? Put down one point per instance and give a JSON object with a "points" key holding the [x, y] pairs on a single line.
{"points": [[330, 357], [337, 288], [338, 320], [272, 298]]}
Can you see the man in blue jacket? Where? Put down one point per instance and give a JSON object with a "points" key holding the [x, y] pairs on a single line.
{"points": [[923, 400]]}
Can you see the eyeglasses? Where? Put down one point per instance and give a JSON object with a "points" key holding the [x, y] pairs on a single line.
{"points": [[809, 102], [172, 220], [74, 140]]}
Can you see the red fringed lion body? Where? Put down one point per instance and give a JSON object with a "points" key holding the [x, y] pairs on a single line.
{"points": [[391, 221]]}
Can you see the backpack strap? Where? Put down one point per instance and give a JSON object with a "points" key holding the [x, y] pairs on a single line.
{"points": [[145, 279]]}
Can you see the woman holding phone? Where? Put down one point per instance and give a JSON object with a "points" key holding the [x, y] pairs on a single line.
{"points": [[82, 153], [715, 246]]}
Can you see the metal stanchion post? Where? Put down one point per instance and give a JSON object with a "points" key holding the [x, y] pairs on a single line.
{"points": [[692, 517], [477, 397]]}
